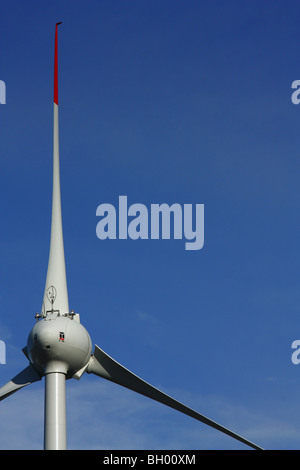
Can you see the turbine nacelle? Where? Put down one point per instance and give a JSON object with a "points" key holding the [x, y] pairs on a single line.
{"points": [[59, 344]]}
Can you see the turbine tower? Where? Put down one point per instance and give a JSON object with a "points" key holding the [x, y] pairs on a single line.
{"points": [[59, 347]]}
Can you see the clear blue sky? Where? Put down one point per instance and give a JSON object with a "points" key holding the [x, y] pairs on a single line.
{"points": [[162, 101]]}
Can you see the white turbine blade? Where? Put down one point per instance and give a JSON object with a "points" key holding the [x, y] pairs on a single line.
{"points": [[26, 377], [103, 365], [56, 293]]}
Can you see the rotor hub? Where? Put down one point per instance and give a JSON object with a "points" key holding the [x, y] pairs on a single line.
{"points": [[61, 345]]}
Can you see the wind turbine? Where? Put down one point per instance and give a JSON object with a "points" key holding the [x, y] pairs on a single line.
{"points": [[59, 347]]}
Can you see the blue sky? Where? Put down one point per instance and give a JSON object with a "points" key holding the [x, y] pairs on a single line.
{"points": [[162, 101]]}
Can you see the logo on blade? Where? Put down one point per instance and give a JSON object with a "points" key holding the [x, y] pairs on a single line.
{"points": [[51, 294]]}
